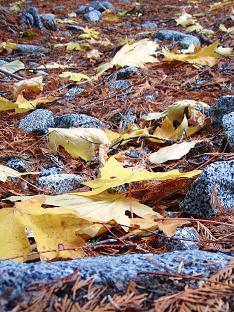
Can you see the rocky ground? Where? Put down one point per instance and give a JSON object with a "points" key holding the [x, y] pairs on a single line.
{"points": [[190, 270]]}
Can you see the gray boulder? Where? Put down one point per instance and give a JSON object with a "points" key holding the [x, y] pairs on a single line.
{"points": [[177, 37], [224, 105], [219, 177], [120, 84], [77, 120], [116, 271], [37, 121], [101, 5], [49, 21], [228, 125], [93, 16], [50, 171], [60, 183]]}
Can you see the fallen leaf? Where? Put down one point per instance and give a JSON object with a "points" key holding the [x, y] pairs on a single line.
{"points": [[89, 33], [169, 226], [114, 174], [24, 105], [185, 19], [224, 51], [225, 29], [175, 151], [94, 54], [219, 5], [79, 142], [196, 27], [34, 85], [6, 104], [13, 67], [74, 76], [6, 172], [136, 54], [206, 56], [8, 46]]}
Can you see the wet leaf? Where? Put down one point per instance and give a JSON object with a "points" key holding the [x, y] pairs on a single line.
{"points": [[13, 67], [74, 76], [34, 85]]}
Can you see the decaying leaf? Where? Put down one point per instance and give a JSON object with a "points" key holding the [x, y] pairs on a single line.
{"points": [[24, 105], [185, 19], [13, 67], [6, 104], [6, 172], [74, 76], [89, 33], [169, 226], [34, 85], [7, 46], [136, 54], [174, 151], [114, 174], [79, 142], [224, 51], [206, 56]]}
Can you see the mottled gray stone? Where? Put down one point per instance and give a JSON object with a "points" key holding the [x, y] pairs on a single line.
{"points": [[18, 164], [73, 92], [119, 270], [120, 84], [123, 119], [49, 21], [150, 97], [29, 48], [220, 176], [50, 171], [133, 154], [75, 28], [224, 105], [149, 25], [93, 16], [228, 126], [127, 72], [177, 37], [60, 183], [77, 120], [84, 9], [101, 5], [39, 120], [185, 238]]}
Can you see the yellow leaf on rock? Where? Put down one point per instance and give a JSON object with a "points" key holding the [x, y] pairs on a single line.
{"points": [[79, 142], [114, 174], [206, 56], [136, 54], [74, 76], [14, 242], [34, 84]]}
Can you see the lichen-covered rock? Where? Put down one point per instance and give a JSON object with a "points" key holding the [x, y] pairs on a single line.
{"points": [[228, 126], [177, 37], [185, 238], [37, 121], [101, 5], [50, 171], [31, 18], [93, 16], [77, 120], [127, 72], [73, 92], [30, 48], [18, 164], [49, 21], [120, 84], [217, 177], [149, 25], [224, 105], [117, 270], [60, 183]]}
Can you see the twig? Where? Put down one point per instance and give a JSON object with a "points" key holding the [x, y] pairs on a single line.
{"points": [[6, 72]]}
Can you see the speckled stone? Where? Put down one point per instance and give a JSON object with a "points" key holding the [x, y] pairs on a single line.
{"points": [[50, 171], [77, 120], [224, 105], [84, 9], [177, 37], [150, 97], [149, 25], [93, 16], [101, 5], [127, 72], [60, 183], [185, 238], [228, 126], [119, 270], [49, 21], [120, 84], [73, 92], [123, 119], [18, 164], [220, 176], [39, 120]]}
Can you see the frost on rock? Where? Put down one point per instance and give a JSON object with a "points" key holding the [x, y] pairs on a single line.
{"points": [[217, 177], [39, 120], [60, 183]]}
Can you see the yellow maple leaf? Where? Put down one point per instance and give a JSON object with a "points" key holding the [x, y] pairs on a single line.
{"points": [[79, 142], [114, 174], [185, 19], [24, 105], [6, 104], [8, 46], [34, 84], [74, 76], [206, 56], [89, 33]]}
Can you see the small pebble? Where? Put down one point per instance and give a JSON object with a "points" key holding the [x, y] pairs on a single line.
{"points": [[73, 92], [50, 171], [149, 25], [101, 5], [120, 84]]}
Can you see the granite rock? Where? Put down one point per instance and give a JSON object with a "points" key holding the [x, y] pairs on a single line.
{"points": [[224, 105], [37, 121], [149, 25], [49, 21], [150, 97], [101, 5], [127, 72], [120, 84], [30, 48], [84, 9], [217, 177], [228, 126], [50, 171], [123, 119], [77, 120], [60, 183], [93, 16], [18, 164], [177, 37], [73, 92], [119, 270]]}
